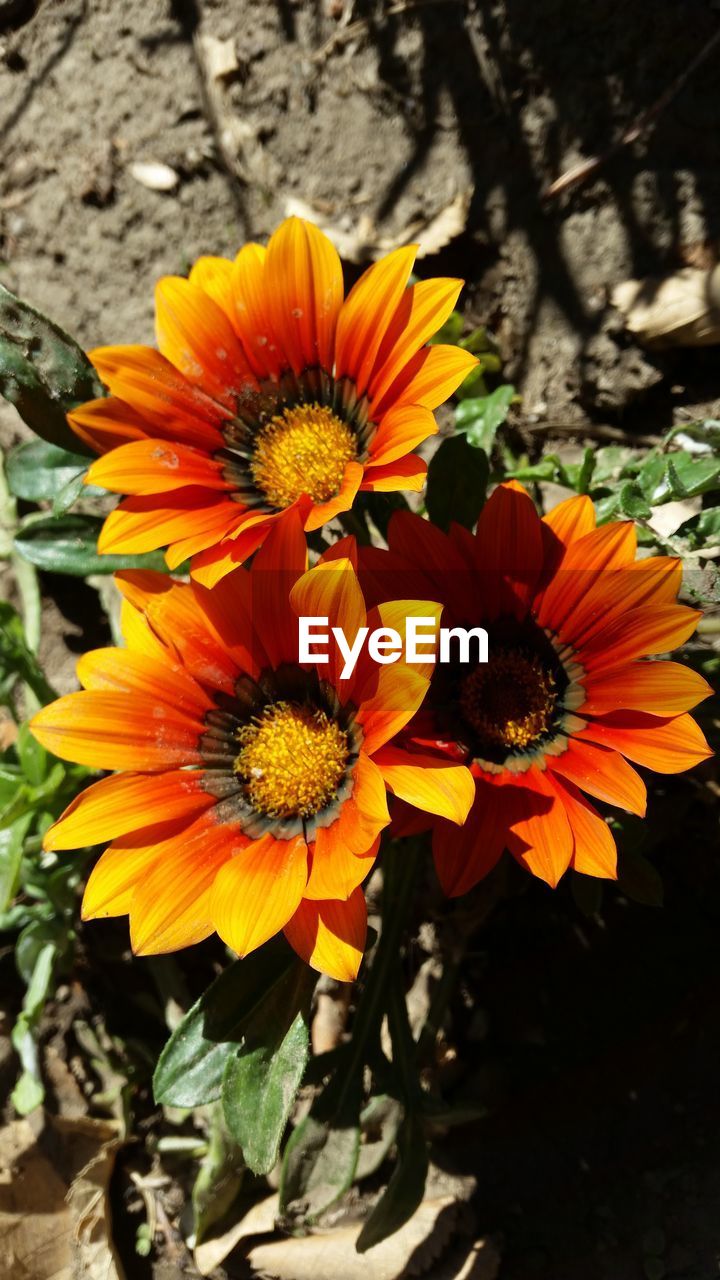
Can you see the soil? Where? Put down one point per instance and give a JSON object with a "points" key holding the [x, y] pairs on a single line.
{"points": [[380, 116]]}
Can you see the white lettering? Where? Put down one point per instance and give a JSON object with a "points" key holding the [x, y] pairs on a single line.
{"points": [[414, 635], [464, 637], [350, 653], [385, 645], [307, 638]]}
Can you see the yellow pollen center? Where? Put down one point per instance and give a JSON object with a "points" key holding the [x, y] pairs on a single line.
{"points": [[304, 449], [510, 701], [291, 760]]}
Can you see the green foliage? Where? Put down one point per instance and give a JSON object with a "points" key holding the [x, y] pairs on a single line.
{"points": [[43, 372], [68, 545], [456, 483], [42, 472]]}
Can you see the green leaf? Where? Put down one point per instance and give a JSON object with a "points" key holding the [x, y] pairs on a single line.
{"points": [[480, 417], [219, 1178], [41, 472], [43, 372], [457, 483], [379, 1123], [191, 1066], [11, 851], [68, 545], [703, 530], [322, 1154], [381, 506], [638, 879], [33, 757], [405, 1189], [17, 659], [260, 1083], [632, 503]]}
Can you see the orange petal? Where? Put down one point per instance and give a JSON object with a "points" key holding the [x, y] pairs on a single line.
{"points": [[612, 546], [666, 746], [159, 680], [114, 878], [155, 466], [604, 774], [330, 936], [429, 379], [571, 519], [107, 423], [540, 836], [322, 512], [197, 337], [655, 581], [304, 292], [399, 432], [213, 564], [117, 731], [279, 563], [387, 702], [464, 855], [406, 473], [143, 524], [176, 615], [647, 630], [331, 590], [508, 551], [595, 851], [172, 406], [422, 310], [436, 786], [251, 317], [367, 313], [138, 634], [215, 276], [258, 891], [662, 688], [170, 907], [336, 870], [127, 802]]}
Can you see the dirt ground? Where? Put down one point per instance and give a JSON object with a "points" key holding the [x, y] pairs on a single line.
{"points": [[600, 1161]]}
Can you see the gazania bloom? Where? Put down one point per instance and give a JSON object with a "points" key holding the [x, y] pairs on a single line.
{"points": [[567, 696], [252, 790], [269, 392]]}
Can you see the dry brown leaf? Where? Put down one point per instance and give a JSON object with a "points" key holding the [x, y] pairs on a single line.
{"points": [[54, 1214], [328, 1255], [681, 310], [258, 1221]]}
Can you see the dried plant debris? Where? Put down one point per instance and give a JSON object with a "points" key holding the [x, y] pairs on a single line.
{"points": [[358, 241], [54, 1209], [438, 1241], [681, 310]]}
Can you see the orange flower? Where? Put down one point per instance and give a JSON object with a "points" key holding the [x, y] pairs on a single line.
{"points": [[567, 696], [252, 793], [269, 392]]}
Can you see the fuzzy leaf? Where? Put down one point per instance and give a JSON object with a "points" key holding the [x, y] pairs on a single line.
{"points": [[68, 544], [260, 1083], [405, 1189], [456, 484], [191, 1066]]}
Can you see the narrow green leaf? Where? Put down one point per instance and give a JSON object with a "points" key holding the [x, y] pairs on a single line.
{"points": [[43, 372], [219, 1178], [260, 1082], [16, 658], [405, 1189], [191, 1066], [68, 544], [456, 483], [11, 851]]}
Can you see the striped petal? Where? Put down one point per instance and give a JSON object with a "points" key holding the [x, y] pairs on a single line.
{"points": [[330, 936], [434, 785], [666, 746], [662, 688], [117, 731], [155, 466], [128, 802], [602, 773], [367, 314], [303, 285], [257, 892]]}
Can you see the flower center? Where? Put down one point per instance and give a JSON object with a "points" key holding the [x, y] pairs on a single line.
{"points": [[291, 760], [510, 702], [304, 449]]}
